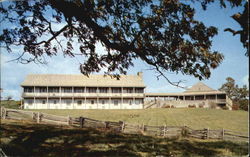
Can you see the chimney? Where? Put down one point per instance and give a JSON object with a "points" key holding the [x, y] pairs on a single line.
{"points": [[140, 74]]}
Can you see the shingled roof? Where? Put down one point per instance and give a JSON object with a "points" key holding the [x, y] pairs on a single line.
{"points": [[82, 80], [199, 87]]}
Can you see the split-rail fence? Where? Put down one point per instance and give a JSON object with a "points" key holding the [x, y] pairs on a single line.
{"points": [[121, 126]]}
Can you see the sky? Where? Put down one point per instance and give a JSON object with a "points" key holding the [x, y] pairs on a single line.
{"points": [[235, 64]]}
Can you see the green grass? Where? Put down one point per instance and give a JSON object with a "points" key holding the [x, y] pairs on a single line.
{"points": [[28, 139], [195, 118], [10, 104]]}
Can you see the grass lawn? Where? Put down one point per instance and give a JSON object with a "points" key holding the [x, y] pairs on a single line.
{"points": [[195, 118], [28, 139]]}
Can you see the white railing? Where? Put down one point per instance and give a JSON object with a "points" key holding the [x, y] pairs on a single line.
{"points": [[141, 95]]}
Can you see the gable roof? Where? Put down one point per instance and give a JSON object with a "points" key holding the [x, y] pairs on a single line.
{"points": [[199, 87], [82, 80]]}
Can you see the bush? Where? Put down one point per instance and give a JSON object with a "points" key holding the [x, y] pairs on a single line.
{"points": [[201, 105], [172, 106], [225, 108], [191, 106], [243, 104], [235, 107]]}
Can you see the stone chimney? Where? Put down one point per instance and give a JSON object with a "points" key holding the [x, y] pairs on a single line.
{"points": [[140, 74]]}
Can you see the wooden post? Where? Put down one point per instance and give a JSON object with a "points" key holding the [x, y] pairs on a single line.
{"points": [[164, 131], [207, 133], [38, 117], [4, 113], [68, 120], [81, 122], [1, 112], [142, 128], [122, 126], [33, 117], [223, 133], [106, 125]]}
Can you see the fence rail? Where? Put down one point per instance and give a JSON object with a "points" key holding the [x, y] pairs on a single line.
{"points": [[164, 131]]}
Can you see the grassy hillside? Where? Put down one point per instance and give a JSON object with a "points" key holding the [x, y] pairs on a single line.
{"points": [[20, 139], [195, 118]]}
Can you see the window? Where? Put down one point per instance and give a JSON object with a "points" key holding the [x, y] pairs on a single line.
{"points": [[116, 102], [78, 90], [28, 89], [43, 89], [138, 101], [92, 90], [53, 89], [139, 90], [68, 102], [116, 90], [128, 90], [103, 90], [103, 101], [67, 90], [55, 102], [130, 102], [92, 102], [29, 102], [79, 102], [43, 102]]}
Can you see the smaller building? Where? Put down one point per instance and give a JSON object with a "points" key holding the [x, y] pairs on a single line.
{"points": [[199, 96]]}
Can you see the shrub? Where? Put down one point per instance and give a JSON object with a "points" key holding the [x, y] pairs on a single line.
{"points": [[191, 106], [225, 108], [172, 106], [201, 105]]}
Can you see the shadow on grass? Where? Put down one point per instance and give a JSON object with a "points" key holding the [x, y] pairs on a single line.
{"points": [[45, 140]]}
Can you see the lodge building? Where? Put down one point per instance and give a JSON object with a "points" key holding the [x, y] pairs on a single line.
{"points": [[50, 91], [60, 91]]}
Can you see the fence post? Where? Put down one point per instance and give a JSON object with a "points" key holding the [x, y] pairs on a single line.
{"points": [[207, 133], [1, 112], [223, 132], [33, 116], [81, 122], [106, 124], [68, 120], [38, 117], [122, 125], [4, 113], [142, 128], [164, 131]]}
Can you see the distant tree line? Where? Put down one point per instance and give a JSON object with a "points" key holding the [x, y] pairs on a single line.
{"points": [[239, 95]]}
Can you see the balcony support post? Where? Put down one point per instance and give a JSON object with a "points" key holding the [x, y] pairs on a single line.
{"points": [[122, 98], [47, 97]]}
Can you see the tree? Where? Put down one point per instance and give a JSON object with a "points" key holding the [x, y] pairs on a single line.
{"points": [[162, 33], [8, 98], [239, 95]]}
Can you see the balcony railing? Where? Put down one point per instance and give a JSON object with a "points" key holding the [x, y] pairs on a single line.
{"points": [[125, 95]]}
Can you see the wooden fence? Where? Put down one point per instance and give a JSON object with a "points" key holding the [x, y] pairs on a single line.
{"points": [[163, 131]]}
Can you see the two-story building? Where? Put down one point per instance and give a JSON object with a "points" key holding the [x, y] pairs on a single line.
{"points": [[59, 91]]}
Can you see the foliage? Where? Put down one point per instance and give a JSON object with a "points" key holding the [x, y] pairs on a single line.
{"points": [[8, 98], [162, 33], [11, 104], [41, 139], [239, 95], [244, 104]]}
